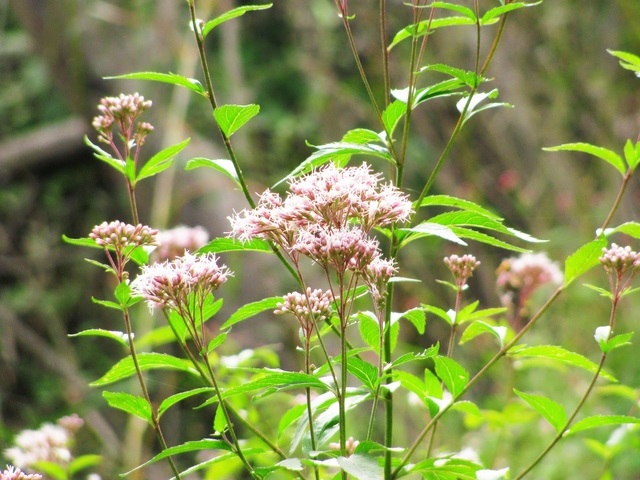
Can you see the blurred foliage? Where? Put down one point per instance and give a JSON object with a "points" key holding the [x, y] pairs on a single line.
{"points": [[552, 66]]}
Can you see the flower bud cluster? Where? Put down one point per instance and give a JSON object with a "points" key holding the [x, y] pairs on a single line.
{"points": [[122, 112], [171, 283], [120, 235], [620, 260], [308, 308], [461, 267]]}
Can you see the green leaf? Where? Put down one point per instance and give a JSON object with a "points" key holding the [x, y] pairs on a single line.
{"points": [[452, 374], [628, 61], [231, 117], [551, 410], [131, 404], [107, 303], [168, 402], [252, 309], [231, 14], [82, 463], [605, 154], [216, 342], [290, 416], [417, 317], [431, 229], [224, 166], [559, 354], [583, 259], [472, 103], [361, 136], [629, 228], [426, 27], [478, 220], [293, 464], [467, 77], [439, 312], [161, 160], [413, 356], [480, 327], [125, 368], [601, 421], [119, 337], [447, 468], [466, 11], [171, 78], [362, 467], [392, 115], [449, 201], [53, 471], [100, 154], [632, 154], [617, 341], [363, 371], [221, 245], [481, 237], [193, 446], [501, 10], [220, 422], [81, 242]]}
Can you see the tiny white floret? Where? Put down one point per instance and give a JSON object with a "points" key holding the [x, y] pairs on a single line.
{"points": [[492, 474], [602, 333]]}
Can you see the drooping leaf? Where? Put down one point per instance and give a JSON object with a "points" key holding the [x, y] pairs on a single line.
{"points": [[361, 467], [252, 309], [470, 106], [222, 244], [560, 354], [125, 368], [426, 27], [52, 470], [601, 421], [119, 337], [480, 327], [462, 10], [478, 220], [224, 166], [583, 259], [161, 160], [82, 463], [482, 237], [431, 229], [361, 136], [178, 397], [468, 77], [452, 374], [171, 78], [414, 356], [231, 14], [629, 228], [231, 117], [551, 410], [605, 154], [131, 404]]}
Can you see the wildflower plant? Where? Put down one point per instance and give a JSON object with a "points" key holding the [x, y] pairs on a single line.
{"points": [[348, 223]]}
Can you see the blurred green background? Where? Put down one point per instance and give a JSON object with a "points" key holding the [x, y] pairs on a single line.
{"points": [[292, 60]]}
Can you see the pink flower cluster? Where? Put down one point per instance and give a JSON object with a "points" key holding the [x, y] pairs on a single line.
{"points": [[327, 216], [171, 283], [122, 112], [120, 235], [308, 308], [176, 241], [461, 268], [620, 260], [13, 473]]}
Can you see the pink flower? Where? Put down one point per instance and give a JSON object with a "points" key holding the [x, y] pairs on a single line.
{"points": [[13, 473], [461, 267], [176, 241], [308, 308], [120, 235], [169, 284]]}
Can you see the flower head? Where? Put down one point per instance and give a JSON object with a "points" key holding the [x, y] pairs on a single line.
{"points": [[308, 308], [461, 267], [169, 284], [620, 260], [13, 473], [120, 235], [121, 111]]}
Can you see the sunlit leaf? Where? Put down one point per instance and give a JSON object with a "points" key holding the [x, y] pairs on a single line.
{"points": [[452, 374], [233, 13], [83, 462], [628, 60], [363, 371], [224, 166], [551, 410], [426, 27], [161, 160], [252, 309], [431, 229], [131, 404], [223, 244], [601, 421], [125, 368], [231, 117], [178, 397], [100, 154], [449, 201], [605, 154], [502, 9], [119, 337], [480, 327], [361, 467], [583, 259]]}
